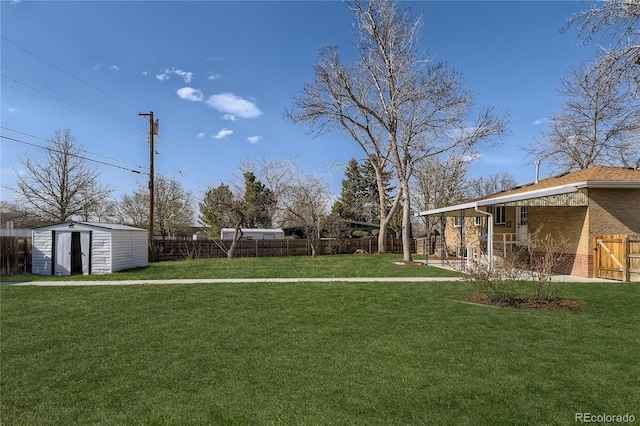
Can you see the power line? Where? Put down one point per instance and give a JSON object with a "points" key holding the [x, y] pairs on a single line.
{"points": [[68, 73], [197, 155], [73, 155], [86, 116], [109, 119], [88, 152]]}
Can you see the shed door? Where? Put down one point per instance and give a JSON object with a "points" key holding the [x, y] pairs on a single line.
{"points": [[63, 253]]}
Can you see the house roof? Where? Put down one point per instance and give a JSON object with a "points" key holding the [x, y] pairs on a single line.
{"points": [[557, 190], [602, 174]]}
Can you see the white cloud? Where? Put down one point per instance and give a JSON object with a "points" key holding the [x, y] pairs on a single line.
{"points": [[215, 77], [200, 135], [230, 117], [166, 74], [223, 133], [540, 121], [145, 73], [233, 106], [471, 157], [9, 108], [190, 94], [96, 67], [114, 68], [254, 139]]}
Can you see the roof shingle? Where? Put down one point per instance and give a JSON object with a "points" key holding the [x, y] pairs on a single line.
{"points": [[596, 173]]}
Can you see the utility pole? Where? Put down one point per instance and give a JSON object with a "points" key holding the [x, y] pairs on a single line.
{"points": [[153, 130]]}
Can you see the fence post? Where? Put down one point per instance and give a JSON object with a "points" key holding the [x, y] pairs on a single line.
{"points": [[626, 260]]}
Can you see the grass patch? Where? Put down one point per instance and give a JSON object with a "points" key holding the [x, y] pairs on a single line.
{"points": [[337, 266], [319, 353]]}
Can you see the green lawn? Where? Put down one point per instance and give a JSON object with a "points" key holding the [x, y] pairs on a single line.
{"points": [[349, 265], [312, 354]]}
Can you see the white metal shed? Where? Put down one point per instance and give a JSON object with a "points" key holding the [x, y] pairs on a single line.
{"points": [[87, 248], [253, 234]]}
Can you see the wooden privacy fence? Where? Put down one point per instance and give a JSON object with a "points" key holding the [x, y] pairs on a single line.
{"points": [[182, 249], [617, 257], [15, 255]]}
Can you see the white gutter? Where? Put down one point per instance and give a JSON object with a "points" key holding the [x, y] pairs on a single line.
{"points": [[613, 184], [556, 190]]}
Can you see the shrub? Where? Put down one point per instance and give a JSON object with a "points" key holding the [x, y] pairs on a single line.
{"points": [[360, 234], [548, 255], [338, 232], [499, 282]]}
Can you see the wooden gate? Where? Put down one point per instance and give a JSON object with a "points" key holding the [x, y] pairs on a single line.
{"points": [[633, 252], [617, 257]]}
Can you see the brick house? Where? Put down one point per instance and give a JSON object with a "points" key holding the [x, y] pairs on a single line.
{"points": [[578, 205]]}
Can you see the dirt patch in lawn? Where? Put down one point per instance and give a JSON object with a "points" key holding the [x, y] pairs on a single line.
{"points": [[402, 262], [525, 302]]}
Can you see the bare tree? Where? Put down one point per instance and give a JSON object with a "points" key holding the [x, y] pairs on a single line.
{"points": [[599, 124], [492, 184], [306, 207], [133, 209], [173, 209], [62, 187], [616, 23], [439, 183], [277, 175], [221, 208], [19, 216], [397, 109]]}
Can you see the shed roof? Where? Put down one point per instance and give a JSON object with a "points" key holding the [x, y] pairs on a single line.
{"points": [[265, 230], [71, 224]]}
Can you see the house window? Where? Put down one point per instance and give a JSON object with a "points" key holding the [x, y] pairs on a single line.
{"points": [[457, 221], [524, 215], [500, 216], [477, 221]]}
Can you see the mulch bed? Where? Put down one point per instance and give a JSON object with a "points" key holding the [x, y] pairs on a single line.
{"points": [[525, 302]]}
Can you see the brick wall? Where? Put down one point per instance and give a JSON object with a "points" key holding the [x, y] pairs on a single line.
{"points": [[568, 222], [569, 263], [614, 211]]}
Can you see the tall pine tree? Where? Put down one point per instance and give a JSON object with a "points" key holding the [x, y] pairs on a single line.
{"points": [[359, 199], [260, 201]]}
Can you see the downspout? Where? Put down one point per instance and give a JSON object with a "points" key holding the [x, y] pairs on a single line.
{"points": [[489, 235]]}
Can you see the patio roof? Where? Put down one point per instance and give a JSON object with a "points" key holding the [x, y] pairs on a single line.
{"points": [[568, 189]]}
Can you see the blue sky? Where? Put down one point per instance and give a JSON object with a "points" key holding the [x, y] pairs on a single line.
{"points": [[218, 76]]}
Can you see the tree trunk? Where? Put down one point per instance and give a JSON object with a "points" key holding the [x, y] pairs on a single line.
{"points": [[406, 223], [237, 234], [382, 236], [385, 217]]}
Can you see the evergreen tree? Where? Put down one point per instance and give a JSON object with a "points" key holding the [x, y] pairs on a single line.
{"points": [[348, 203], [359, 199], [214, 210], [260, 201]]}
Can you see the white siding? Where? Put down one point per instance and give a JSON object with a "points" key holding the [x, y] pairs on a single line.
{"points": [[41, 243], [113, 247], [253, 234], [140, 249], [129, 249], [100, 251]]}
